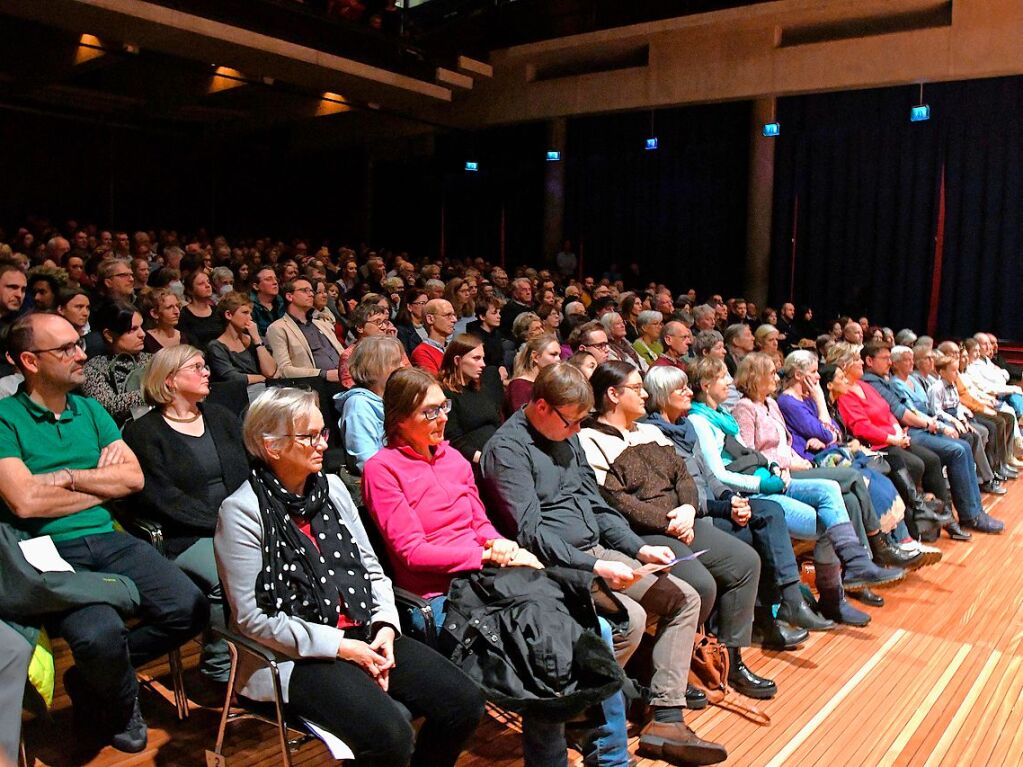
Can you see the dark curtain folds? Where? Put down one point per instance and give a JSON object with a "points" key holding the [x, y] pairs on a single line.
{"points": [[679, 211], [982, 267], [867, 183]]}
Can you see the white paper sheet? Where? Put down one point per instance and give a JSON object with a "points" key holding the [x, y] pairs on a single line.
{"points": [[42, 555], [337, 747]]}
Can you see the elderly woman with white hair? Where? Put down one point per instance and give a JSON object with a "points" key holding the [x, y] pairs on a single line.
{"points": [[301, 578], [619, 347], [192, 457], [648, 346]]}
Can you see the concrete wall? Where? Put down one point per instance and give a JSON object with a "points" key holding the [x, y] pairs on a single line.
{"points": [[737, 54]]}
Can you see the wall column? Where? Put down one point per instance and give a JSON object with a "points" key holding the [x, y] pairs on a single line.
{"points": [[760, 203], [554, 190]]}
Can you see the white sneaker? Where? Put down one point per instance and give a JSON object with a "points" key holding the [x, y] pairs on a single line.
{"points": [[931, 554]]}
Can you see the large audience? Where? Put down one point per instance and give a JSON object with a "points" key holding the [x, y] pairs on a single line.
{"points": [[636, 459]]}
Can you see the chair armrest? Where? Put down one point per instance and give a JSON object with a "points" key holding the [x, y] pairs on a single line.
{"points": [[146, 529]]}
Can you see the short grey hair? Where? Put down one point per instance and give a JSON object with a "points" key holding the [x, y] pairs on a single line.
{"points": [[900, 351], [703, 310], [607, 320], [705, 341], [801, 360], [272, 417], [660, 382], [646, 317], [373, 358], [575, 307], [433, 285], [222, 274]]}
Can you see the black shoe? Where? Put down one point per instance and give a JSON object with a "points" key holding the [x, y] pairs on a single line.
{"points": [[956, 533], [696, 698], [804, 617], [777, 635], [134, 735], [868, 597], [993, 488], [887, 554], [745, 682]]}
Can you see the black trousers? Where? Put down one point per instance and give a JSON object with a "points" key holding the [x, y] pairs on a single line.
{"points": [[344, 699], [726, 577], [106, 652]]}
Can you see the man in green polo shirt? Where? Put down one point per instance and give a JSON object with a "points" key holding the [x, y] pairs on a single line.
{"points": [[61, 460]]}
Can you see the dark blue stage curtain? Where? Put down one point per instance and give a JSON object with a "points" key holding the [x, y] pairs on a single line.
{"points": [[679, 212], [982, 267], [856, 184]]}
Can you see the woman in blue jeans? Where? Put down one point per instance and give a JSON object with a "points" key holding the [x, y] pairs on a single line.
{"points": [[422, 495], [810, 505]]}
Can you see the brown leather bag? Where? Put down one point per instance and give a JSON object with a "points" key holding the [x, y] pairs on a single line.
{"points": [[708, 670]]}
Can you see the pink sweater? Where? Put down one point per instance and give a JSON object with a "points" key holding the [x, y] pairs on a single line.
{"points": [[430, 515], [762, 427]]}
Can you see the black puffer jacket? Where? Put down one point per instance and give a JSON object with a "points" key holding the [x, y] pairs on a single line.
{"points": [[530, 640]]}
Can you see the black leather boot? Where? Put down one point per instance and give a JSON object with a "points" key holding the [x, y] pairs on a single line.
{"points": [[887, 554], [744, 681]]}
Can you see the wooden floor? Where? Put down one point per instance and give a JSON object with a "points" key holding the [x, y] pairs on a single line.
{"points": [[936, 679]]}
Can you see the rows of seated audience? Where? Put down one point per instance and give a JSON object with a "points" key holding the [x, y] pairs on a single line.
{"points": [[631, 460]]}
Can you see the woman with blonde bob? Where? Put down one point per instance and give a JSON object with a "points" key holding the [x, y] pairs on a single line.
{"points": [[301, 578], [192, 457]]}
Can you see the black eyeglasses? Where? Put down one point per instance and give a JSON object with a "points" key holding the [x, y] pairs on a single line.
{"points": [[313, 438], [65, 350], [568, 424]]}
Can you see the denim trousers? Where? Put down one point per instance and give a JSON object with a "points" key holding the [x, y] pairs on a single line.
{"points": [[957, 458], [807, 500], [106, 652]]}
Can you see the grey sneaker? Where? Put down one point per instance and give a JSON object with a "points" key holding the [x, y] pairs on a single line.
{"points": [[134, 736]]}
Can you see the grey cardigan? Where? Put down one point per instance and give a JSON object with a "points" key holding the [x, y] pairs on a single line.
{"points": [[238, 543]]}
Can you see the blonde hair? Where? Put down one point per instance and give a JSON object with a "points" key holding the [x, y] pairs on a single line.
{"points": [[272, 416], [162, 366], [752, 370], [374, 358], [524, 357]]}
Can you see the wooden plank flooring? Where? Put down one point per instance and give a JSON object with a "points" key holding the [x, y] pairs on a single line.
{"points": [[936, 680]]}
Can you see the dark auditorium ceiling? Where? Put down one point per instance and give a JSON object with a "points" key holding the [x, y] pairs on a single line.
{"points": [[48, 71]]}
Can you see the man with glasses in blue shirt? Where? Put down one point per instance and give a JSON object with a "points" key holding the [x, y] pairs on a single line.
{"points": [[62, 461], [303, 347]]}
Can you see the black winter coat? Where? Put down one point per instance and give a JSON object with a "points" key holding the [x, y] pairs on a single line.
{"points": [[530, 640]]}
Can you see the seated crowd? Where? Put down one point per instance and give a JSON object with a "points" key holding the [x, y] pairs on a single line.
{"points": [[645, 463]]}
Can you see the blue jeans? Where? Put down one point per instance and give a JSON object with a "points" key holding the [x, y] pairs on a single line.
{"points": [[808, 500], [543, 743], [1015, 401], [957, 457]]}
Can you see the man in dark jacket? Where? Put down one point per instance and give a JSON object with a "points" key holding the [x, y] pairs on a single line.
{"points": [[536, 472]]}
